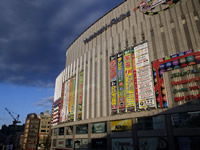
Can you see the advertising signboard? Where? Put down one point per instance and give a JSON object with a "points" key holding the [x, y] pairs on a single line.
{"points": [[135, 80], [180, 60], [81, 144], [113, 79], [73, 98], [128, 73], [62, 103], [145, 89], [99, 127], [120, 81], [121, 125], [122, 144], [66, 99], [82, 129], [80, 97], [70, 99]]}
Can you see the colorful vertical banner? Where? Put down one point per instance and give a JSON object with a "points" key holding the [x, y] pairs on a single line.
{"points": [[180, 60], [145, 87], [70, 99], [128, 73], [135, 80], [61, 119], [56, 112], [120, 81], [80, 97], [73, 98], [66, 98], [113, 79]]}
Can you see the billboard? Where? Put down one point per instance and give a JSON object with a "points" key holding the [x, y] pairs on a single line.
{"points": [[121, 125], [71, 99], [129, 87], [145, 88], [81, 144], [113, 84], [99, 127], [135, 80], [62, 111], [66, 98], [120, 82], [82, 129], [122, 144], [180, 60], [80, 95]]}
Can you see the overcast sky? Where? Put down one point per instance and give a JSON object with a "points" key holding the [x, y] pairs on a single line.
{"points": [[34, 36]]}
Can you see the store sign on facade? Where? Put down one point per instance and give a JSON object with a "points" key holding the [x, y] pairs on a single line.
{"points": [[153, 7], [180, 60], [104, 28], [121, 125], [145, 90]]}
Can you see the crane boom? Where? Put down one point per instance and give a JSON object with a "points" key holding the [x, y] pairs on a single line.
{"points": [[15, 120]]}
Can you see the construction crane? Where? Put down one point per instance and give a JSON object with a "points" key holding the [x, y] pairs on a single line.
{"points": [[15, 120]]}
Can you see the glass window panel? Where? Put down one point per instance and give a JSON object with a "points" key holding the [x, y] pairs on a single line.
{"points": [[61, 131], [82, 129], [186, 120], [149, 123], [99, 127], [68, 143], [69, 130], [153, 143]]}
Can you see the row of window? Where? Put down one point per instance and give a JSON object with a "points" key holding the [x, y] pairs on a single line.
{"points": [[178, 120], [144, 143]]}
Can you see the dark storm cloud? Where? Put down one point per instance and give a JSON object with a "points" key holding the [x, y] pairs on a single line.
{"points": [[34, 35]]}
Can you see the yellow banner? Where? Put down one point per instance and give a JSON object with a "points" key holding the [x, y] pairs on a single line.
{"points": [[128, 72], [121, 125]]}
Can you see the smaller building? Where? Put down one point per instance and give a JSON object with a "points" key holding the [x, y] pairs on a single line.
{"points": [[31, 131], [44, 130]]}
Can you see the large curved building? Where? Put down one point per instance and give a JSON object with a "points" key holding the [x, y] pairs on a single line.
{"points": [[132, 80]]}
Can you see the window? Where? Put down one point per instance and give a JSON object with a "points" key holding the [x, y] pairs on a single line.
{"points": [[69, 130], [43, 131], [191, 143], [43, 126], [55, 132], [149, 123], [61, 131], [81, 144], [122, 143], [99, 127], [99, 143], [68, 143], [82, 129], [54, 142], [153, 143], [186, 120]]}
